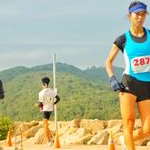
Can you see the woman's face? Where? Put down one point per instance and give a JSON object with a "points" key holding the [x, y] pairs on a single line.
{"points": [[137, 19]]}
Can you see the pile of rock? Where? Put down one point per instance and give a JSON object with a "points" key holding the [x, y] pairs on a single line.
{"points": [[83, 131]]}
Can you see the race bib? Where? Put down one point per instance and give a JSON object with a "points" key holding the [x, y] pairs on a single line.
{"points": [[140, 64], [49, 100]]}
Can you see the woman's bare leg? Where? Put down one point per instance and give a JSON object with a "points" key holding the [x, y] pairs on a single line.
{"points": [[144, 113], [127, 106]]}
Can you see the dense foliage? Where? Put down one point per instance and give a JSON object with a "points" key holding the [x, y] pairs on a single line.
{"points": [[84, 93], [5, 124]]}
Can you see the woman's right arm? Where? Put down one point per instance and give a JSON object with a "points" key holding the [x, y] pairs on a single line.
{"points": [[110, 59]]}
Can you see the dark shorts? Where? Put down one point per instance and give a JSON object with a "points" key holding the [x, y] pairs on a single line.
{"points": [[138, 88], [47, 114]]}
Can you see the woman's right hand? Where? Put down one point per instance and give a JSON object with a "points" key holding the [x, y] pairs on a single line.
{"points": [[116, 86]]}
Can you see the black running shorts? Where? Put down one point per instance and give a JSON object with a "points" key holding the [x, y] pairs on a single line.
{"points": [[47, 114], [138, 88]]}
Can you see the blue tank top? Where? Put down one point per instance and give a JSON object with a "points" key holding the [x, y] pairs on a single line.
{"points": [[137, 57]]}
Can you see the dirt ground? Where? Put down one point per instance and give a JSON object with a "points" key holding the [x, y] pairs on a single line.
{"points": [[29, 146]]}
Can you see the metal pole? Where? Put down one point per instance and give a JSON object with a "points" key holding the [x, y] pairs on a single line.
{"points": [[54, 86]]}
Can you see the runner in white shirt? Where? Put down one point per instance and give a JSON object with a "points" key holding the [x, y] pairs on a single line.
{"points": [[47, 98]]}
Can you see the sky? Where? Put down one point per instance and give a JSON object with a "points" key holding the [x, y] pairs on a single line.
{"points": [[79, 32]]}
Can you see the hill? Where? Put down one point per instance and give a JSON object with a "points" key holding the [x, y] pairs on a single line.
{"points": [[84, 93]]}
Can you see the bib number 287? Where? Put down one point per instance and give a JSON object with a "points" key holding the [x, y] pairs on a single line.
{"points": [[141, 64], [141, 61]]}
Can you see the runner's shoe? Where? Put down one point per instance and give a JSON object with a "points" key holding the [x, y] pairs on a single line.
{"points": [[51, 142]]}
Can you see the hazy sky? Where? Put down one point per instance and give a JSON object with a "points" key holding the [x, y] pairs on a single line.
{"points": [[80, 32]]}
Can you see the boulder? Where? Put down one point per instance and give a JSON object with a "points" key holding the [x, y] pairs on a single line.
{"points": [[67, 132], [40, 137], [32, 131], [137, 124], [75, 123], [85, 131], [100, 138], [92, 125], [113, 123], [76, 137], [24, 126]]}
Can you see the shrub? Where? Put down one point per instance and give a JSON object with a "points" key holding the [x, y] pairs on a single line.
{"points": [[5, 123]]}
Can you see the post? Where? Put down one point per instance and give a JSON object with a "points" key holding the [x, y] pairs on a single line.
{"points": [[54, 86], [56, 142]]}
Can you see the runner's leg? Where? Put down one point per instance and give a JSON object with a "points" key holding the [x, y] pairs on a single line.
{"points": [[47, 130], [127, 106], [144, 113]]}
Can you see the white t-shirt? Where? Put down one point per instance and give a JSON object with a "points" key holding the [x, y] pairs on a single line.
{"points": [[47, 96]]}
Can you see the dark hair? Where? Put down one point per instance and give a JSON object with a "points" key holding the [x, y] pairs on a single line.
{"points": [[45, 80], [135, 3]]}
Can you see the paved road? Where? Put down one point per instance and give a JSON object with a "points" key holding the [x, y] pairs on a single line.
{"points": [[30, 146]]}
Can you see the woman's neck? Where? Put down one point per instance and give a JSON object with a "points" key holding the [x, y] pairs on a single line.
{"points": [[137, 31], [45, 86]]}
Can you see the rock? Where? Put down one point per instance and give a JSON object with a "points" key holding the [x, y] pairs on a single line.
{"points": [[85, 131], [113, 123], [75, 137], [40, 137], [24, 126], [100, 138], [63, 130], [137, 124], [67, 132], [148, 143], [83, 140], [117, 136], [62, 124], [92, 125], [32, 131], [116, 129], [75, 123]]}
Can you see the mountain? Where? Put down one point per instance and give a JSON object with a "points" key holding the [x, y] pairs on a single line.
{"points": [[84, 93]]}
